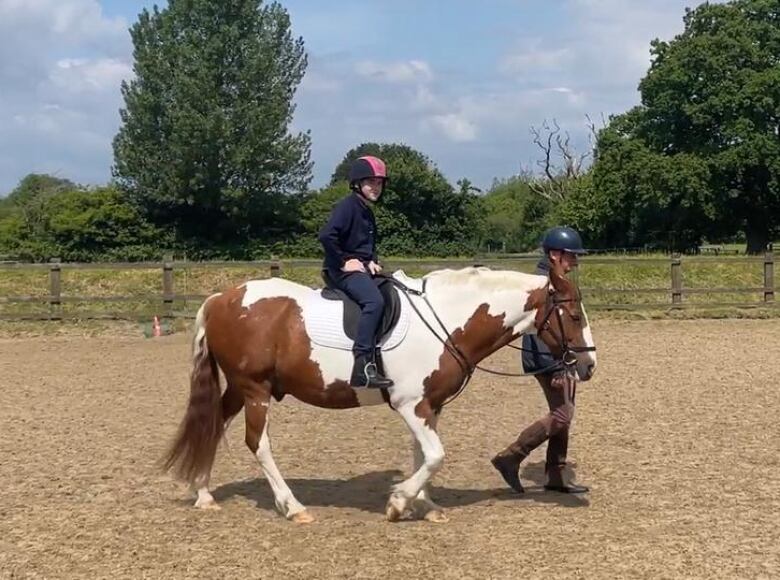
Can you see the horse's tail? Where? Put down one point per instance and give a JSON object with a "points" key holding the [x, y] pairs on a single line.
{"points": [[192, 452]]}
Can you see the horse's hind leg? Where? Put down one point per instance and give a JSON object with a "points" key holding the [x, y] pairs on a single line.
{"points": [[232, 402], [423, 506], [257, 401]]}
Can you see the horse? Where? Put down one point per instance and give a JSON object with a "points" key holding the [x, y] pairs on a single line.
{"points": [[255, 334]]}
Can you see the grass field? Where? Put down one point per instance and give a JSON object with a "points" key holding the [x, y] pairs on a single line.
{"points": [[620, 281]]}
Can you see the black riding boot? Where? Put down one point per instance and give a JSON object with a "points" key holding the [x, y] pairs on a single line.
{"points": [[366, 374], [380, 365]]}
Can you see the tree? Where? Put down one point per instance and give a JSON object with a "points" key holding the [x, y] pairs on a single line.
{"points": [[25, 204], [99, 224], [637, 197], [561, 164], [204, 145], [53, 217], [515, 215], [704, 141]]}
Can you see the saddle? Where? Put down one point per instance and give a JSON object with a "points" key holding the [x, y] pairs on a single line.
{"points": [[390, 315]]}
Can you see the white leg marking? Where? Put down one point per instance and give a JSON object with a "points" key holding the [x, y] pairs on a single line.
{"points": [[423, 506], [432, 459], [205, 500], [284, 499]]}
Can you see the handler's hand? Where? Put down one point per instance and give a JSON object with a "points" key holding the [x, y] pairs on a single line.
{"points": [[353, 265], [374, 268], [558, 380]]}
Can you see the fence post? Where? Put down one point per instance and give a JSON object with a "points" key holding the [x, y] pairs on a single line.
{"points": [[676, 279], [769, 275], [276, 267], [168, 284], [55, 289]]}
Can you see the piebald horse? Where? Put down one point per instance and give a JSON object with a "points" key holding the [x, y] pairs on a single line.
{"points": [[256, 336]]}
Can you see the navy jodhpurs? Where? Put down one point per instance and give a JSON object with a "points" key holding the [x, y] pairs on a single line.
{"points": [[363, 289]]}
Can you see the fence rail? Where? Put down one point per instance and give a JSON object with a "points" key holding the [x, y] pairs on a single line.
{"points": [[165, 301]]}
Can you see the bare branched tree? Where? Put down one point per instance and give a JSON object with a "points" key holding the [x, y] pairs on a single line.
{"points": [[561, 164]]}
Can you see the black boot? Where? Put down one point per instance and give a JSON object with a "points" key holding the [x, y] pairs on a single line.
{"points": [[366, 374], [380, 365]]}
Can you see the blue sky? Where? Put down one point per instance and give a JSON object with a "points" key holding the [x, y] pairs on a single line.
{"points": [[462, 81]]}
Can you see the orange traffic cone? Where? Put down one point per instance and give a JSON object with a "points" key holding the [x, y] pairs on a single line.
{"points": [[156, 327]]}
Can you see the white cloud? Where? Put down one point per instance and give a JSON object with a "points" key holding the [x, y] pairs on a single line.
{"points": [[395, 72], [62, 61], [83, 76], [533, 58], [455, 127], [61, 66]]}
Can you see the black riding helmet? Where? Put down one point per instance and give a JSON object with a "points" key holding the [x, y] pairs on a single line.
{"points": [[364, 167], [563, 238]]}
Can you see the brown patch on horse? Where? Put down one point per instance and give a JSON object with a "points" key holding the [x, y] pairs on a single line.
{"points": [[536, 299], [482, 335], [268, 342]]}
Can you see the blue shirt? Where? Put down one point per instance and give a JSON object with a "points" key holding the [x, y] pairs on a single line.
{"points": [[349, 233]]}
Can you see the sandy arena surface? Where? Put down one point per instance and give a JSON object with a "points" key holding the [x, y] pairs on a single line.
{"points": [[677, 435]]}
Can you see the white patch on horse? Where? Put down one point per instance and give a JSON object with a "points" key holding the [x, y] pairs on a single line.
{"points": [[587, 336], [200, 325], [460, 293], [257, 290], [455, 296], [284, 498]]}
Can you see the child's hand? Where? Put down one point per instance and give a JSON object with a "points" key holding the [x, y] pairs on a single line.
{"points": [[374, 268], [353, 265]]}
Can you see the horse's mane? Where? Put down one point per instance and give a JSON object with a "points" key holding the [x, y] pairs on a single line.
{"points": [[484, 278]]}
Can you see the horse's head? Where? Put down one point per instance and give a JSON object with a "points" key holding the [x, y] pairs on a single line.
{"points": [[561, 323]]}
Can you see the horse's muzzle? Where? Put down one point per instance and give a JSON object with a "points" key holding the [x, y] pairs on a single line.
{"points": [[585, 372]]}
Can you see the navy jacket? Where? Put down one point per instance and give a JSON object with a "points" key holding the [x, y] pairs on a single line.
{"points": [[349, 233]]}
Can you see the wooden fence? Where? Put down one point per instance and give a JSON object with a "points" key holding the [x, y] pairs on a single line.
{"points": [[165, 300]]}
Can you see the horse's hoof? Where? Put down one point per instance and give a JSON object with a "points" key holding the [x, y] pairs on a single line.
{"points": [[436, 517], [393, 513], [396, 506], [303, 517], [207, 504]]}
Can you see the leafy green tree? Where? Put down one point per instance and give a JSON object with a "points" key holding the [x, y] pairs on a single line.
{"points": [[515, 215], [28, 198], [55, 218], [204, 146], [99, 224], [701, 155]]}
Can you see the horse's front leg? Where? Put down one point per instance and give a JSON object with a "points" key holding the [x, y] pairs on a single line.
{"points": [[421, 421], [423, 506]]}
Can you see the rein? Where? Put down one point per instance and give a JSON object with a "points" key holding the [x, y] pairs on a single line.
{"points": [[568, 358]]}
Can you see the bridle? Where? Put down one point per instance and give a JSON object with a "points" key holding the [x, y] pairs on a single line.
{"points": [[568, 351]]}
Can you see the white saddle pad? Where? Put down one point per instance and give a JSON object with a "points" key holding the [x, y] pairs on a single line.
{"points": [[324, 320]]}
